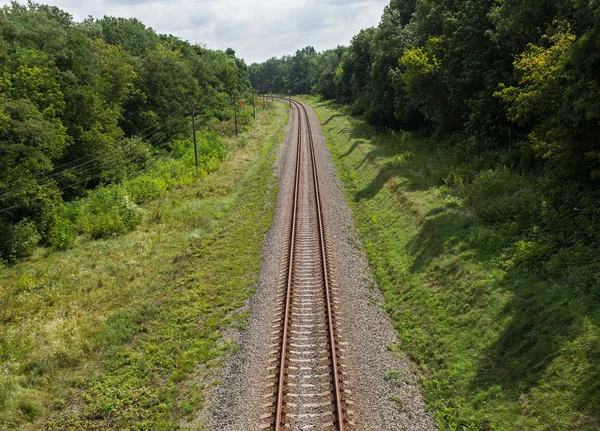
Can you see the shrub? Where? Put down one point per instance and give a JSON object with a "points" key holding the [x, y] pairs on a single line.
{"points": [[112, 210], [63, 234], [210, 144], [108, 212], [18, 240], [145, 187], [125, 158], [500, 196], [184, 149], [579, 266], [244, 117]]}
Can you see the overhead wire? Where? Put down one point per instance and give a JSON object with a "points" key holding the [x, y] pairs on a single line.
{"points": [[42, 179], [78, 169], [88, 178], [75, 183]]}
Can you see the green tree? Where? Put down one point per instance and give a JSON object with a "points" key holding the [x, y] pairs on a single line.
{"points": [[299, 71], [355, 74]]}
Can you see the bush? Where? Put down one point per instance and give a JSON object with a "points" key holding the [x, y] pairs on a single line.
{"points": [[244, 117], [500, 196], [579, 266], [107, 212], [125, 158], [145, 187], [18, 240], [63, 234], [210, 144], [112, 210]]}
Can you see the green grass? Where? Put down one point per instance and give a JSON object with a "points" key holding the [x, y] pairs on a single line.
{"points": [[128, 332], [502, 322]]}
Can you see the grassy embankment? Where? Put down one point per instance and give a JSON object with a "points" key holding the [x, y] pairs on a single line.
{"points": [[128, 332], [504, 327]]}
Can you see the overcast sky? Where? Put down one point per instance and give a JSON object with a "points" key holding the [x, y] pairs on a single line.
{"points": [[257, 30]]}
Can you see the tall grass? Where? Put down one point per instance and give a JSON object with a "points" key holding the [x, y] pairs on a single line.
{"points": [[114, 209]]}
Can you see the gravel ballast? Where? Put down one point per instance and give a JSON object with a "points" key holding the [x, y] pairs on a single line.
{"points": [[384, 389]]}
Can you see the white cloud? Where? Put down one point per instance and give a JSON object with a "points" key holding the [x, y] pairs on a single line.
{"points": [[257, 30]]}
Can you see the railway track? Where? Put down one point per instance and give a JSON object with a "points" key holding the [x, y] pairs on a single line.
{"points": [[306, 388]]}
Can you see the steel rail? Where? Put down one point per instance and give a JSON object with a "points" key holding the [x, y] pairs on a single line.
{"points": [[334, 366], [288, 290], [325, 274]]}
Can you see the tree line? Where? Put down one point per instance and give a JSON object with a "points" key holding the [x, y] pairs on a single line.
{"points": [[511, 84], [87, 104]]}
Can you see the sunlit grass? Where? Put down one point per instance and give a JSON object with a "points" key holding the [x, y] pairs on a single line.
{"points": [[126, 332]]}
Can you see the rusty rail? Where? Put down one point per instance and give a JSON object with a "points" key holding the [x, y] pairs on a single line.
{"points": [[288, 292], [281, 380]]}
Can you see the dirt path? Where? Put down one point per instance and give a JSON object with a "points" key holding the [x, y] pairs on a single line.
{"points": [[384, 390]]}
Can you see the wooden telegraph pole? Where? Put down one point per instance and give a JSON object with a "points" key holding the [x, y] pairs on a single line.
{"points": [[194, 128], [235, 113]]}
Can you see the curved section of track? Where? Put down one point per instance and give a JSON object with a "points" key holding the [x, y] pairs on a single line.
{"points": [[305, 389]]}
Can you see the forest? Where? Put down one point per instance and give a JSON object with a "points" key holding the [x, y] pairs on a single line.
{"points": [[95, 119], [510, 87], [466, 133]]}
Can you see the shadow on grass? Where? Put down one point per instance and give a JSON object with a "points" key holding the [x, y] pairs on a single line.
{"points": [[378, 182], [333, 116], [544, 316], [403, 178], [371, 157], [437, 235], [352, 148], [544, 320], [399, 156]]}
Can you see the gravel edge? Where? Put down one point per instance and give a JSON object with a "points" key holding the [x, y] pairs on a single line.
{"points": [[385, 388], [235, 404]]}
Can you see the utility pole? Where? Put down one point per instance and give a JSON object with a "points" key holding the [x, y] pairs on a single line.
{"points": [[290, 97], [195, 142], [253, 105], [235, 113]]}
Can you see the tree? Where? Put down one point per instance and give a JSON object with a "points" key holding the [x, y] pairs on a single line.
{"points": [[299, 72], [356, 68], [73, 98]]}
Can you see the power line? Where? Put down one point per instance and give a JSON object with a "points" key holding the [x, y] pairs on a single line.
{"points": [[74, 184], [78, 169], [43, 179]]}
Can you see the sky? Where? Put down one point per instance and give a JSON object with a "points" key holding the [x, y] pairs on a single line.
{"points": [[256, 30]]}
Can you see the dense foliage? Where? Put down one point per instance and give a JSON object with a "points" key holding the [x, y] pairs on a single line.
{"points": [[495, 106], [90, 104], [511, 86]]}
